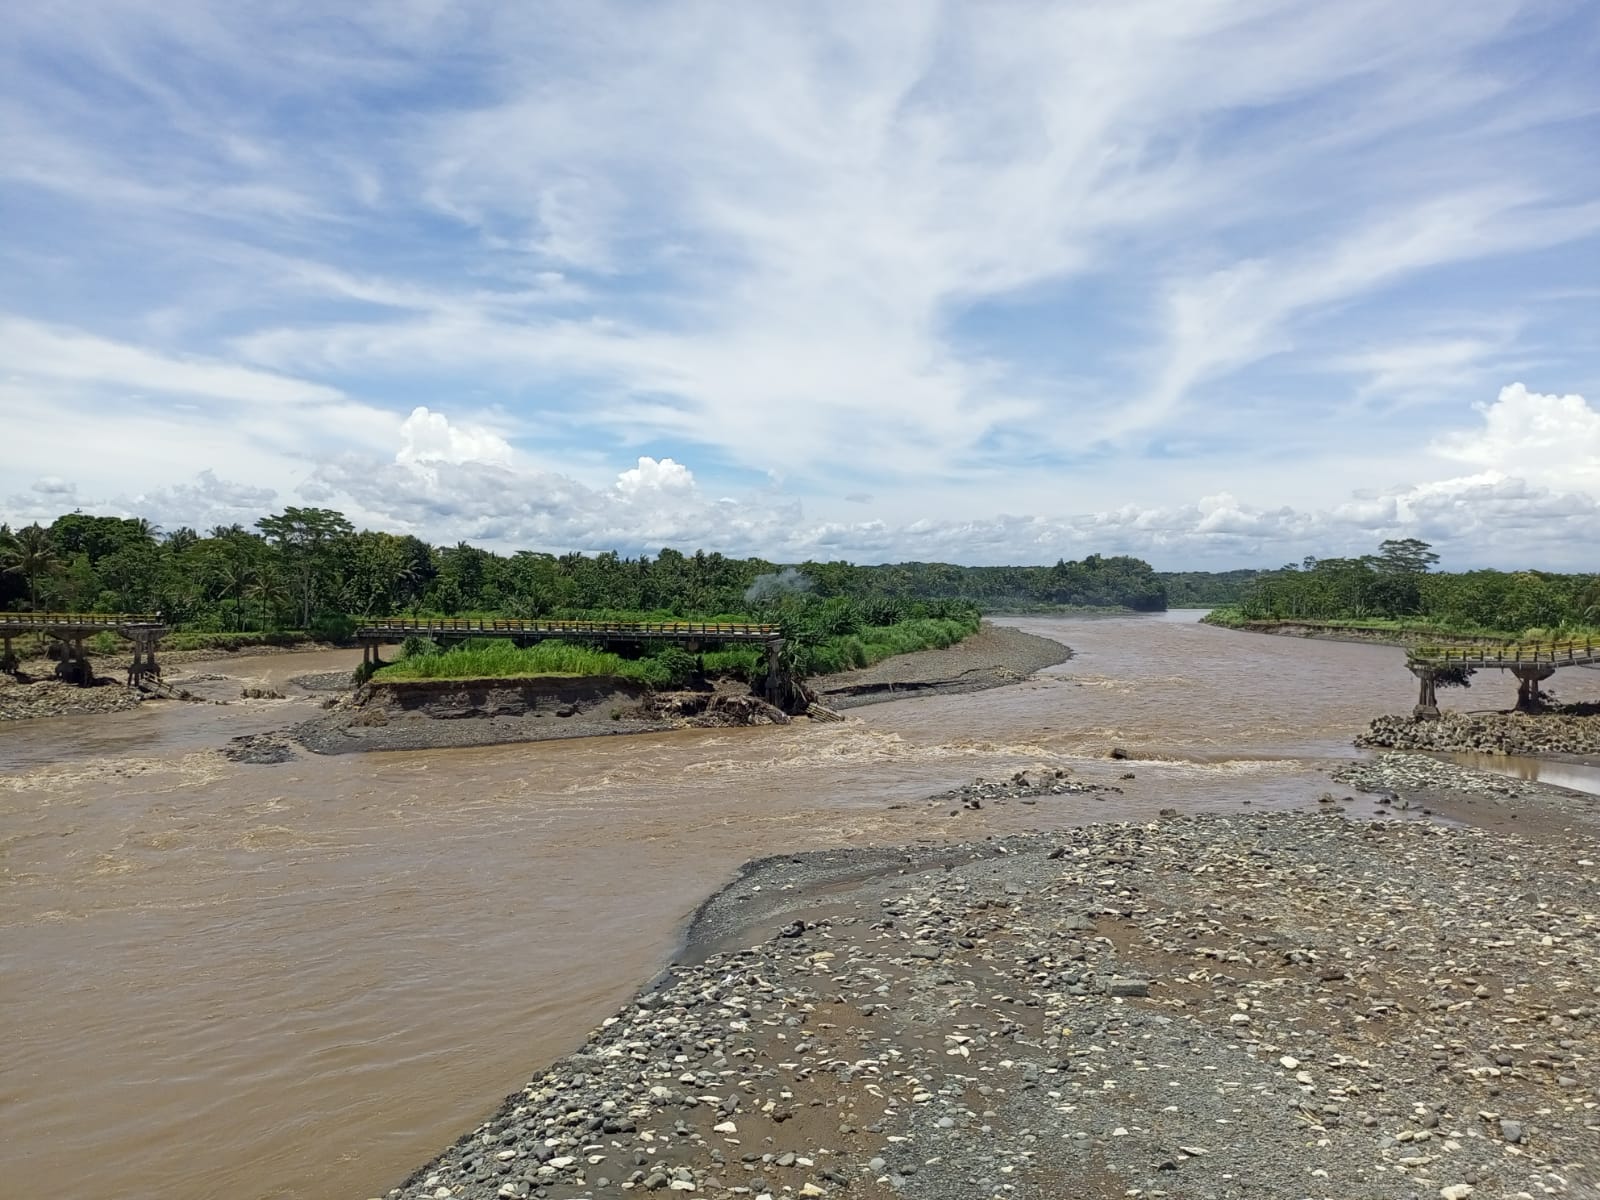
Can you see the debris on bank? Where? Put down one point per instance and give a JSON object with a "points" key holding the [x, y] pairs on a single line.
{"points": [[1528, 734]]}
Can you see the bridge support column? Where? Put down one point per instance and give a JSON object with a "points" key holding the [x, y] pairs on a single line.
{"points": [[144, 665], [1427, 708], [8, 658], [774, 672], [74, 666], [1528, 680]]}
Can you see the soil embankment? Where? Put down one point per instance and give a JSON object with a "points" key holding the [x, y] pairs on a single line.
{"points": [[435, 714], [1227, 1006], [993, 657]]}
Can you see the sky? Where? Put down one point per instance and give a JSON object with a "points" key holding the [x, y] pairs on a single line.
{"points": [[1220, 284]]}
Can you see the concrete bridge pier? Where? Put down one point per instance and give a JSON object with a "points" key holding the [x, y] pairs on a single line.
{"points": [[73, 666], [8, 658], [774, 672], [1528, 680], [144, 665], [1427, 708]]}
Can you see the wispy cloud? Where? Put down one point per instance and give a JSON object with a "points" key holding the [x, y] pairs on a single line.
{"points": [[938, 254]]}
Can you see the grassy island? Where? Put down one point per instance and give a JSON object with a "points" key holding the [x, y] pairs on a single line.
{"points": [[821, 638]]}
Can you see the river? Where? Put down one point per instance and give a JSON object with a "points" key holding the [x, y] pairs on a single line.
{"points": [[305, 980]]}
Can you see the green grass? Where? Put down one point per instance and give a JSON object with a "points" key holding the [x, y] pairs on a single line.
{"points": [[874, 643], [498, 659], [494, 658]]}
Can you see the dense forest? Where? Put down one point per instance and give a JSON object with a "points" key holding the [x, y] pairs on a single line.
{"points": [[1399, 584], [310, 569], [1205, 589]]}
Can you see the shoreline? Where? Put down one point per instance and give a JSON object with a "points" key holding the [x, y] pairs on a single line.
{"points": [[808, 1009], [1313, 631], [491, 712], [995, 656]]}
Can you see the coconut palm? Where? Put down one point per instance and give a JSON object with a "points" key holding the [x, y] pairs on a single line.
{"points": [[236, 576], [30, 554], [269, 589]]}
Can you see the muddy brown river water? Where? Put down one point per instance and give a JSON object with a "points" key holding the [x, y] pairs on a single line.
{"points": [[304, 980]]}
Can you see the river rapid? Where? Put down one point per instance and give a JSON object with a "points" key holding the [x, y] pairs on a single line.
{"points": [[304, 980]]}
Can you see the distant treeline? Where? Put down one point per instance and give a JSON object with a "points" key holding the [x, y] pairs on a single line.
{"points": [[1205, 589], [1399, 585], [311, 569]]}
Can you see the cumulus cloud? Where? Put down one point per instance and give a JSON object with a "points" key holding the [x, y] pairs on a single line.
{"points": [[1531, 435], [652, 476], [430, 437]]}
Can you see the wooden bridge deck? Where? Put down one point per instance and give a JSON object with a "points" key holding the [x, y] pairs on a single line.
{"points": [[77, 624], [391, 629], [1508, 656]]}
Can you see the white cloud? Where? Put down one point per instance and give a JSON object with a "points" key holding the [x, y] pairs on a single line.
{"points": [[651, 477], [1549, 439], [429, 437], [33, 349], [959, 259]]}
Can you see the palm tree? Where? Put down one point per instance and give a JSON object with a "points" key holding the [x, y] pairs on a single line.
{"points": [[181, 538], [269, 589], [236, 575], [31, 555]]}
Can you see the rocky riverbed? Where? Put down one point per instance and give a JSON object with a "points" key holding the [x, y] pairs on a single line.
{"points": [[44, 696], [1531, 734], [1297, 1005]]}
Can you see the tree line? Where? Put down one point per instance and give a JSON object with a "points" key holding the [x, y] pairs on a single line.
{"points": [[310, 569], [1400, 584]]}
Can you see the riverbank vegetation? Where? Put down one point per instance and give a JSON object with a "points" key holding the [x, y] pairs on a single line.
{"points": [[310, 571], [819, 640], [1398, 591]]}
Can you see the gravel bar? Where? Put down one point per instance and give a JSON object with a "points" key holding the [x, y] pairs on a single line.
{"points": [[1292, 1005]]}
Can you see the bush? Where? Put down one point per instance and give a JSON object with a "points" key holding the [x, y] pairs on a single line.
{"points": [[418, 647]]}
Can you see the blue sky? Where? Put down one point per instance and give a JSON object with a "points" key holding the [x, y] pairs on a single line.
{"points": [[1221, 283]]}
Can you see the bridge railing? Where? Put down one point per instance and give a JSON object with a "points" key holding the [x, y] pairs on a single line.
{"points": [[534, 628], [1552, 653], [80, 620]]}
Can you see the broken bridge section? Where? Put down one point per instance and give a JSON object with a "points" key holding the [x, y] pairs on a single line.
{"points": [[691, 635], [1530, 662], [72, 631]]}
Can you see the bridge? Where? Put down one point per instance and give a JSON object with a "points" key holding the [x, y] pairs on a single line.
{"points": [[1530, 662], [692, 635], [144, 630]]}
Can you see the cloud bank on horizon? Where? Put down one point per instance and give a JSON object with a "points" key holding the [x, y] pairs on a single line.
{"points": [[1221, 284]]}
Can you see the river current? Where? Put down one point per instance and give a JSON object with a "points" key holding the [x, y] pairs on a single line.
{"points": [[304, 980]]}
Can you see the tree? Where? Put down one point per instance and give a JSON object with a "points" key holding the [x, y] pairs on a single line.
{"points": [[1406, 556], [33, 556], [180, 539], [268, 589], [305, 538]]}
